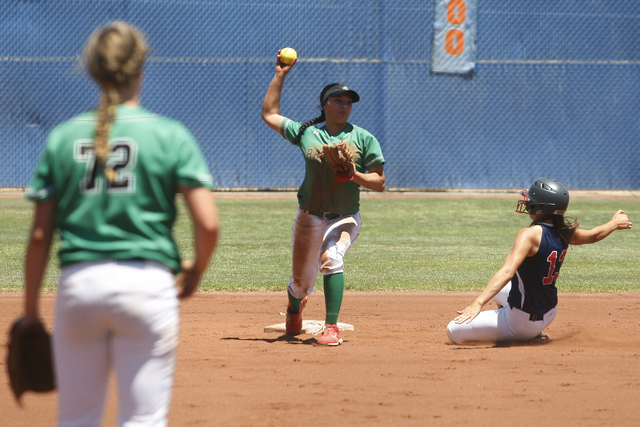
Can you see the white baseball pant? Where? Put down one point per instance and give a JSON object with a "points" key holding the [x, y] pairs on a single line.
{"points": [[319, 245], [120, 314], [503, 324]]}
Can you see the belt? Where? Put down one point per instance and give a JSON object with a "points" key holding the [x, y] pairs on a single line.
{"points": [[323, 215], [535, 317]]}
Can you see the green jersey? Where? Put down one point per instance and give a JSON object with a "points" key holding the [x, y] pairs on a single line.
{"points": [[320, 190], [131, 217]]}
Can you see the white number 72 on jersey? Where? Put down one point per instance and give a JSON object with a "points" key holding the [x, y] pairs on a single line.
{"points": [[123, 158]]}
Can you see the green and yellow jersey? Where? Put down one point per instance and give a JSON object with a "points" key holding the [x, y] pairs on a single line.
{"points": [[320, 190], [132, 217]]}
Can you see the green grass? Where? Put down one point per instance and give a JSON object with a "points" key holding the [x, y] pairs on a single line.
{"points": [[449, 244]]}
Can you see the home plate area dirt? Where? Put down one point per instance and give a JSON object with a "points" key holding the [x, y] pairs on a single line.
{"points": [[396, 368]]}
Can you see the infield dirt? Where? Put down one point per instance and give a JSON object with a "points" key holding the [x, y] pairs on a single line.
{"points": [[396, 369]]}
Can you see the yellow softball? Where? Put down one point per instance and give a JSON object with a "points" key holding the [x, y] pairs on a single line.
{"points": [[287, 55]]}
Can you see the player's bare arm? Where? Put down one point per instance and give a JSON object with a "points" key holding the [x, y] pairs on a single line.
{"points": [[205, 233], [620, 221], [37, 255], [271, 105], [526, 244], [374, 180]]}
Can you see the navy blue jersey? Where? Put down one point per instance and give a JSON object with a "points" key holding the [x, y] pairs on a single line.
{"points": [[533, 288]]}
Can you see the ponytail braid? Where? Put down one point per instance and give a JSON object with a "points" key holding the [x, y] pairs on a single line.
{"points": [[115, 56], [106, 115], [305, 125]]}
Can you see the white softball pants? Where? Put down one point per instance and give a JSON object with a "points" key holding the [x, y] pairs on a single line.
{"points": [[319, 245], [504, 324], [120, 314]]}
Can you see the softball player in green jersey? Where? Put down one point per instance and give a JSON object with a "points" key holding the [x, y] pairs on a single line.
{"points": [[107, 181], [328, 221]]}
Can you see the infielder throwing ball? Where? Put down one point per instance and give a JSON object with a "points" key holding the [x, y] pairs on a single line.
{"points": [[525, 286], [328, 221], [107, 181]]}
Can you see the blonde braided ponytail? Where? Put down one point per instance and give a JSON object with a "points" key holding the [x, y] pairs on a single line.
{"points": [[114, 55]]}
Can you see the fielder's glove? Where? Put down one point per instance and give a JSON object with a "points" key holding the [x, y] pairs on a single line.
{"points": [[340, 160], [29, 359]]}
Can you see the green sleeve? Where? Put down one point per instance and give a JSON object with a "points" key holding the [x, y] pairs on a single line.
{"points": [[191, 167], [42, 186], [372, 152], [290, 129]]}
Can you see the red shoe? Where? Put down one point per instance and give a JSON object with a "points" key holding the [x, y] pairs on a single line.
{"points": [[293, 325], [330, 335]]}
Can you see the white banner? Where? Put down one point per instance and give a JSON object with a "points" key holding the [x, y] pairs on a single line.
{"points": [[454, 36]]}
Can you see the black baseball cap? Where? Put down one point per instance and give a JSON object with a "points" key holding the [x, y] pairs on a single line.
{"points": [[338, 90]]}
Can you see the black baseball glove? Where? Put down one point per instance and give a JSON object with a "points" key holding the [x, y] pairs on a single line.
{"points": [[29, 359]]}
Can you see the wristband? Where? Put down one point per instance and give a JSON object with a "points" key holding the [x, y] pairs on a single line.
{"points": [[344, 176]]}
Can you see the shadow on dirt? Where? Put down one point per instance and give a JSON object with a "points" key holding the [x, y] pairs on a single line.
{"points": [[283, 338]]}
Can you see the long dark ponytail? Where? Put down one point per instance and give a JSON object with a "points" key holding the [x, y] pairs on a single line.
{"points": [[321, 118], [564, 227]]}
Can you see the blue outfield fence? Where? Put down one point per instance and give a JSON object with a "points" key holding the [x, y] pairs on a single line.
{"points": [[554, 91]]}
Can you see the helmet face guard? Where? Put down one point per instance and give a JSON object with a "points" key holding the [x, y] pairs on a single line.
{"points": [[522, 206]]}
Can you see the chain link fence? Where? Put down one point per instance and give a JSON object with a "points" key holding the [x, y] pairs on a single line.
{"points": [[554, 92]]}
